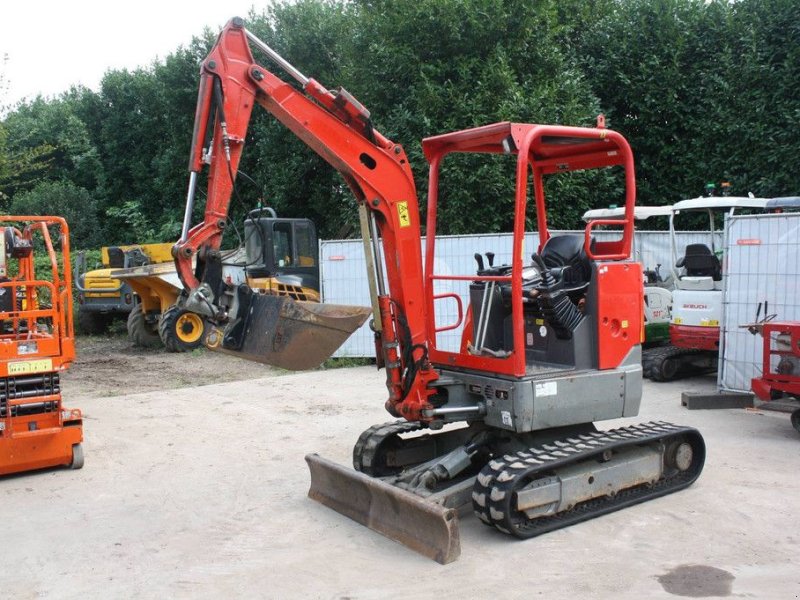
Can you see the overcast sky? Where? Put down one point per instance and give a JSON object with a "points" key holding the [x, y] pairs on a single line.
{"points": [[54, 44]]}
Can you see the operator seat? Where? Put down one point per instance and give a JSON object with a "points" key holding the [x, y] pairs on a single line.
{"points": [[566, 257], [116, 257], [699, 261]]}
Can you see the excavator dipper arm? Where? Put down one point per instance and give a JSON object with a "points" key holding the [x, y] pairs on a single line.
{"points": [[338, 128]]}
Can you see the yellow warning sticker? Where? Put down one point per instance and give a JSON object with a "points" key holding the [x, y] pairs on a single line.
{"points": [[402, 214], [30, 366]]}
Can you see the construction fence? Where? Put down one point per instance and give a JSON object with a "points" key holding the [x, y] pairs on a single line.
{"points": [[763, 267], [344, 281]]}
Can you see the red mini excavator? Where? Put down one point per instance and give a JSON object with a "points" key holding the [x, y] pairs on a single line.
{"points": [[550, 342], [36, 344]]}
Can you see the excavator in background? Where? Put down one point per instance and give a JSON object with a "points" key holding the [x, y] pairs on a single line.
{"points": [[550, 343], [783, 204], [37, 343], [698, 273], [657, 289]]}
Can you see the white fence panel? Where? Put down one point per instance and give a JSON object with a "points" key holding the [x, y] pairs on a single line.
{"points": [[343, 273], [763, 265]]}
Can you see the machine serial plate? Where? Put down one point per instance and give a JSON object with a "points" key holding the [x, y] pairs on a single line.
{"points": [[30, 366], [547, 388]]}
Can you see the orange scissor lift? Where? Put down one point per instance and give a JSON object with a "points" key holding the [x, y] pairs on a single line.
{"points": [[37, 342]]}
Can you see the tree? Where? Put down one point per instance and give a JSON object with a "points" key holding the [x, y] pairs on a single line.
{"points": [[49, 142], [63, 199], [704, 91]]}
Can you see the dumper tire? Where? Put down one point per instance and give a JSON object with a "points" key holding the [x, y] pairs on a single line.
{"points": [[140, 332], [181, 330], [93, 323]]}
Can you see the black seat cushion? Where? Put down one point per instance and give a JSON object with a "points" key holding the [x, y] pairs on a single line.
{"points": [[699, 261], [566, 253]]}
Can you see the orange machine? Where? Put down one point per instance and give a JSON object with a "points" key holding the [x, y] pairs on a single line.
{"points": [[36, 344]]}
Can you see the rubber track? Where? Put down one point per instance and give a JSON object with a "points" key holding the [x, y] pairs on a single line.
{"points": [[370, 441], [653, 357], [493, 493]]}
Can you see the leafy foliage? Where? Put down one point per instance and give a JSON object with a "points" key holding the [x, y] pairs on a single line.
{"points": [[703, 90], [64, 199]]}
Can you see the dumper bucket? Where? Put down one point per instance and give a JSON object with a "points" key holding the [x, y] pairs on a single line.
{"points": [[423, 526], [286, 333]]}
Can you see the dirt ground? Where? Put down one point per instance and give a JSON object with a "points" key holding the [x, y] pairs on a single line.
{"points": [[200, 492], [112, 366]]}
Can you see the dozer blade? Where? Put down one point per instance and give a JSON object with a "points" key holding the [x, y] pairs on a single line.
{"points": [[428, 528], [286, 333]]}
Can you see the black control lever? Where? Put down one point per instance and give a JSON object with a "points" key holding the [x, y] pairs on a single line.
{"points": [[490, 258], [479, 260]]}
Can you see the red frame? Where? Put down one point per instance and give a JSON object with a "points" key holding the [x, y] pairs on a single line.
{"points": [[540, 150], [771, 381], [58, 346]]}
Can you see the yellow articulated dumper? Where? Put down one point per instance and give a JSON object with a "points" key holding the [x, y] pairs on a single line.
{"points": [[280, 257], [103, 298]]}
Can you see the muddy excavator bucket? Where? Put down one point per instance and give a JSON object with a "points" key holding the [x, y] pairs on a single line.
{"points": [[286, 333], [423, 526]]}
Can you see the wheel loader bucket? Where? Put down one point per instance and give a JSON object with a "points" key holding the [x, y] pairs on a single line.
{"points": [[423, 526], [286, 333]]}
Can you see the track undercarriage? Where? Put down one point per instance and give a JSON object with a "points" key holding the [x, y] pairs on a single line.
{"points": [[520, 484], [668, 362]]}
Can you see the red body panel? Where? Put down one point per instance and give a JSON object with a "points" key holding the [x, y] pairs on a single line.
{"points": [[48, 445], [620, 310], [694, 337]]}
